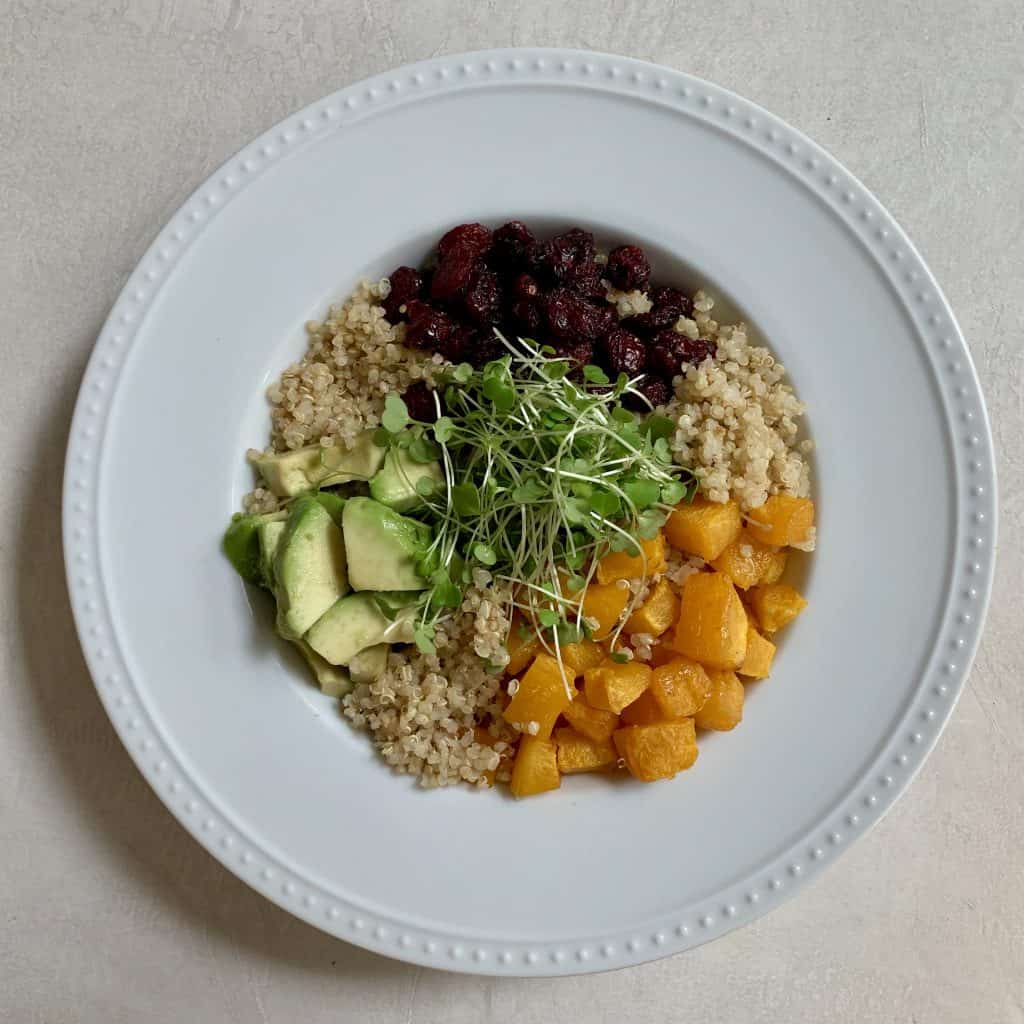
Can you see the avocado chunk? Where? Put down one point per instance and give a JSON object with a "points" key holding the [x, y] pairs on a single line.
{"points": [[332, 679], [398, 483], [356, 622], [339, 465], [309, 568], [242, 544], [383, 547], [333, 503], [367, 665], [288, 474], [269, 535]]}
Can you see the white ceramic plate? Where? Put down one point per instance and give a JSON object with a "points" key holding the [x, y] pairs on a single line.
{"points": [[262, 770]]}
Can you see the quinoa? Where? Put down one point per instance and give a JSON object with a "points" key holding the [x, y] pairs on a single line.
{"points": [[737, 421], [424, 712], [355, 358]]}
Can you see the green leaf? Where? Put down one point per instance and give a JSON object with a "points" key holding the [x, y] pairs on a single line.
{"points": [[466, 499], [427, 488], [547, 617], [673, 492], [381, 438], [605, 503], [556, 369], [595, 375], [643, 493], [462, 373], [501, 395], [423, 637], [423, 450], [649, 523], [574, 584], [620, 657], [575, 559], [621, 415], [395, 415], [568, 633], [484, 554], [528, 491], [443, 429], [659, 426], [576, 511]]}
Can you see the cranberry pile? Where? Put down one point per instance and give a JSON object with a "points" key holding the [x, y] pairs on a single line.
{"points": [[548, 291]]}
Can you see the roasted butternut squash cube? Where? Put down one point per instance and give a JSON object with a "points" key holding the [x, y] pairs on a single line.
{"points": [[540, 698], [620, 565], [612, 686], [782, 520], [712, 625], [657, 613], [757, 664], [723, 709], [775, 605], [703, 528], [747, 562], [657, 751], [521, 644], [643, 711], [605, 604], [535, 769], [680, 688], [579, 753], [578, 657], [594, 723]]}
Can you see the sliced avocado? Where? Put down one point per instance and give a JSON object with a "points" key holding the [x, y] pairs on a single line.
{"points": [[383, 547], [288, 473], [367, 665], [332, 679], [334, 504], [339, 465], [309, 568], [242, 543], [269, 534], [355, 623], [397, 485]]}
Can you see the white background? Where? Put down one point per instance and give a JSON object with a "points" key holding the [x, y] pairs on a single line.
{"points": [[109, 115]]}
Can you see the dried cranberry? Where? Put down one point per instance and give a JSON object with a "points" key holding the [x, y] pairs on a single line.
{"points": [[574, 318], [577, 353], [625, 352], [669, 350], [406, 285], [654, 389], [483, 297], [526, 287], [428, 328], [566, 251], [512, 243], [668, 305], [419, 400], [484, 349], [452, 276], [628, 268], [469, 240], [585, 279], [527, 317]]}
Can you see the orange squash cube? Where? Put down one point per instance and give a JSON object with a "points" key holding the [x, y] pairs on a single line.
{"points": [[712, 625], [680, 688], [657, 613], [782, 520], [578, 657], [540, 697], [757, 664], [620, 565], [612, 686], [535, 769], [578, 753], [723, 710], [775, 605], [522, 643], [747, 562], [657, 751], [594, 723], [703, 528], [605, 604], [643, 711]]}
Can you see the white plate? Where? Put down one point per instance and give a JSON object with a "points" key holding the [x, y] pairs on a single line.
{"points": [[263, 771]]}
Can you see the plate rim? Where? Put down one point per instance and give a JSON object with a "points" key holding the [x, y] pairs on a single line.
{"points": [[930, 705]]}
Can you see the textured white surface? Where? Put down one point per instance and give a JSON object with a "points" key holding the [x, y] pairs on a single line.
{"points": [[109, 911]]}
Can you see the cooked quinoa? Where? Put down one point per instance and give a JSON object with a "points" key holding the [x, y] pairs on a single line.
{"points": [[423, 712], [738, 426]]}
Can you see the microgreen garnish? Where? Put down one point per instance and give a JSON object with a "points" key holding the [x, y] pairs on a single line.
{"points": [[547, 472]]}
